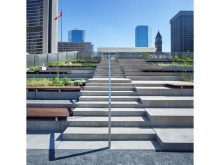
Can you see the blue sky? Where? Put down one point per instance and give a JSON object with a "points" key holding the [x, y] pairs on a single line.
{"points": [[111, 23]]}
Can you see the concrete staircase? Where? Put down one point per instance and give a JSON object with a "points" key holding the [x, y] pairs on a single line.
{"points": [[130, 125], [145, 114]]}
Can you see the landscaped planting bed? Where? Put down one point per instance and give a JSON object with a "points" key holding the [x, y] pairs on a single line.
{"points": [[54, 82]]}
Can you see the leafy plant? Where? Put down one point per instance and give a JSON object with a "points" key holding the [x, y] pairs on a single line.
{"points": [[79, 82], [187, 77], [33, 69], [56, 81], [89, 65], [66, 81], [67, 61]]}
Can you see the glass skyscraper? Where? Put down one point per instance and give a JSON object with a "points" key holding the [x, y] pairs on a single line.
{"points": [[143, 36], [76, 35], [182, 32], [41, 26]]}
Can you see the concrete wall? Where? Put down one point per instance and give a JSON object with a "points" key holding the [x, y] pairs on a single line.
{"points": [[53, 95], [46, 124]]}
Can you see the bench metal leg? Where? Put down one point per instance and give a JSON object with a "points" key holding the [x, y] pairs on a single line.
{"points": [[56, 118]]}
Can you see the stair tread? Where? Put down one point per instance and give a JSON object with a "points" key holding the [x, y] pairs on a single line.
{"points": [[104, 130], [105, 118], [166, 98], [170, 111], [106, 102], [107, 109]]}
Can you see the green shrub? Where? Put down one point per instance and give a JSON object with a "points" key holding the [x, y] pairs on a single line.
{"points": [[67, 61], [187, 77], [66, 81], [33, 69], [79, 82]]}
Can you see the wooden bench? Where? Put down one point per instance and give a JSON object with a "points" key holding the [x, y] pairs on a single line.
{"points": [[167, 70], [49, 112], [181, 85], [54, 88]]}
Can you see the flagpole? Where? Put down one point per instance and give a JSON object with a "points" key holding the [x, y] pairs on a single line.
{"points": [[61, 30]]}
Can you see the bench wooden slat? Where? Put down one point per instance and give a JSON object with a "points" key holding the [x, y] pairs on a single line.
{"points": [[49, 112]]}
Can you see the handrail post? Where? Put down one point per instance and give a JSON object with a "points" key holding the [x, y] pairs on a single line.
{"points": [[109, 101]]}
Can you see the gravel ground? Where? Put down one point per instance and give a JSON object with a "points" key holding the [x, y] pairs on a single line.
{"points": [[107, 157]]}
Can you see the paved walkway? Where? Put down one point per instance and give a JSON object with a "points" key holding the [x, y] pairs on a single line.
{"points": [[42, 148], [107, 157]]}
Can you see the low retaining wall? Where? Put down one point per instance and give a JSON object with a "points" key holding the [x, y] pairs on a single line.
{"points": [[52, 95], [46, 124]]}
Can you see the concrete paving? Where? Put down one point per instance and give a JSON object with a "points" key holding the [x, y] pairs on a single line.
{"points": [[103, 156]]}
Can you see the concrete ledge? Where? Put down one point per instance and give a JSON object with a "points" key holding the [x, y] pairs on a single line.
{"points": [[175, 139], [167, 102], [170, 117], [46, 124], [53, 95], [163, 91], [155, 78]]}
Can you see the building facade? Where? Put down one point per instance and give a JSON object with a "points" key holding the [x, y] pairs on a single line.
{"points": [[41, 32], [143, 36], [76, 35], [85, 47], [182, 35], [158, 42]]}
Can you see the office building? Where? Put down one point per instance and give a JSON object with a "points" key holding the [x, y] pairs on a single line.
{"points": [[182, 32], [41, 29], [143, 36], [76, 35], [158, 42], [85, 47]]}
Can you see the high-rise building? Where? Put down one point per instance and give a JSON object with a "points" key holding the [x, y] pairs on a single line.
{"points": [[143, 36], [41, 29], [182, 32], [76, 35], [158, 42]]}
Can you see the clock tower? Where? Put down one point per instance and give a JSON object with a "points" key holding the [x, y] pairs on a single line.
{"points": [[158, 42]]}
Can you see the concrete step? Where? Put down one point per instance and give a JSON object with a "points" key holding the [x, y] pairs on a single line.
{"points": [[167, 101], [102, 121], [105, 112], [101, 133], [155, 78], [152, 73], [150, 145], [108, 76], [106, 98], [145, 83], [105, 104], [105, 80], [113, 88], [175, 139], [105, 93], [163, 91], [171, 117], [82, 104], [112, 84]]}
